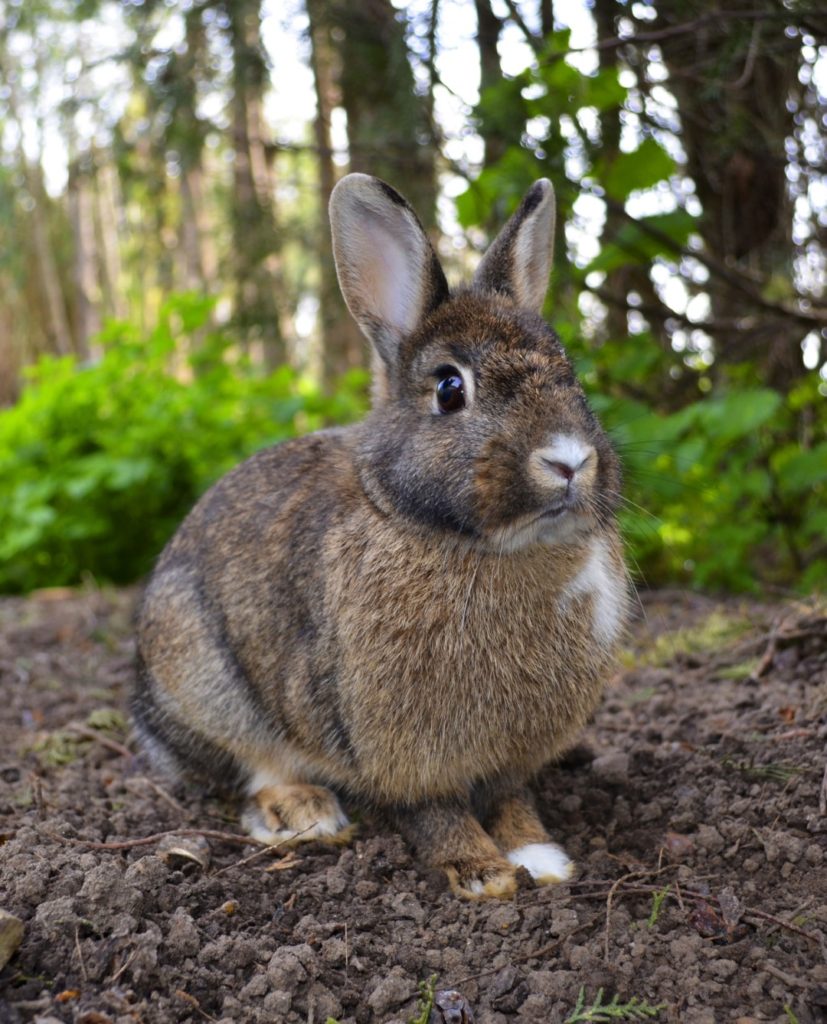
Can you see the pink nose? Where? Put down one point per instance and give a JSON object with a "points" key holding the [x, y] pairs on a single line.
{"points": [[562, 469]]}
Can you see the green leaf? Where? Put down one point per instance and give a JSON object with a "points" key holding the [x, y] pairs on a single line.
{"points": [[642, 168], [738, 414], [800, 470], [634, 244]]}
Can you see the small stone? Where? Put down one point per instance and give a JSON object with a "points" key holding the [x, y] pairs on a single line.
{"points": [[285, 971], [334, 951], [710, 839], [323, 1002], [612, 767], [407, 905], [11, 935], [390, 992], [503, 918], [182, 934], [565, 920], [57, 916], [814, 855], [723, 968], [337, 881]]}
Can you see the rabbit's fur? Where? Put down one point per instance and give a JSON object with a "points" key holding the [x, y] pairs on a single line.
{"points": [[420, 610]]}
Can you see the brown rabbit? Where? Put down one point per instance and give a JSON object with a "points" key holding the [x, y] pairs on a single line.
{"points": [[417, 611]]}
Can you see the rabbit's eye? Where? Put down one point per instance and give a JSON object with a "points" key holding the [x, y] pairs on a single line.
{"points": [[450, 393]]}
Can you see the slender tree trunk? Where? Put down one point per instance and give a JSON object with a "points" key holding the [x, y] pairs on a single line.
{"points": [[488, 35], [342, 344], [388, 130], [546, 17], [256, 243], [84, 272], [59, 331], [107, 221], [734, 132]]}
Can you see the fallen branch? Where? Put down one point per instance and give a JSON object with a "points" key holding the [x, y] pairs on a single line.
{"points": [[127, 844]]}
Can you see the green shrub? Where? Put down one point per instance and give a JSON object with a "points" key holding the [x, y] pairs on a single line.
{"points": [[99, 463]]}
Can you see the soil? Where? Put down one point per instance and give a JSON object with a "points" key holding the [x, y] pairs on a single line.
{"points": [[691, 808]]}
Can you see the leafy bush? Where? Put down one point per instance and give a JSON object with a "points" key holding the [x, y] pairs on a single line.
{"points": [[721, 494], [726, 478], [99, 463]]}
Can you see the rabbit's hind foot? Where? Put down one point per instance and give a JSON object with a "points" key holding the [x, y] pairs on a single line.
{"points": [[296, 813], [516, 828], [545, 862], [484, 880]]}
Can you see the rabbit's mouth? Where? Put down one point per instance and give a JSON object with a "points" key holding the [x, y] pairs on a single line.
{"points": [[555, 511]]}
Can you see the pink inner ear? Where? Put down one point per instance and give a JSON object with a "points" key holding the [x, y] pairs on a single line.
{"points": [[391, 273]]}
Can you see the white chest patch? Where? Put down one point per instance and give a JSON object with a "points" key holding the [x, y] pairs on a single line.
{"points": [[598, 580]]}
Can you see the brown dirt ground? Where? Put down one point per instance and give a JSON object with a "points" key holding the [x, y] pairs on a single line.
{"points": [[692, 811]]}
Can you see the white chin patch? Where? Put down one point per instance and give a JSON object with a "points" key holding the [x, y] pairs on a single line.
{"points": [[543, 861]]}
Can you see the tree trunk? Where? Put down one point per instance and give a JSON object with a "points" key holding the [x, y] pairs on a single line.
{"points": [[59, 331], [342, 344], [388, 130], [488, 35], [84, 271], [734, 132], [108, 217], [256, 242]]}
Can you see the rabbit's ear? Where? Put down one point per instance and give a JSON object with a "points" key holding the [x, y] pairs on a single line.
{"points": [[388, 272], [518, 261]]}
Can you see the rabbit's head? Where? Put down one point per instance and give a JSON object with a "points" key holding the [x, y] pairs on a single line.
{"points": [[479, 427]]}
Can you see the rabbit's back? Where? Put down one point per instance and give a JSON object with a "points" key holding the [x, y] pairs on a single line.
{"points": [[233, 639]]}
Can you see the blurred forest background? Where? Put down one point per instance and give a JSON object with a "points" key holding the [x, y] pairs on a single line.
{"points": [[168, 301]]}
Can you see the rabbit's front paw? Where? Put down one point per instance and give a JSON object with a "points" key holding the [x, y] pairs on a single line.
{"points": [[545, 862], [475, 880], [295, 814]]}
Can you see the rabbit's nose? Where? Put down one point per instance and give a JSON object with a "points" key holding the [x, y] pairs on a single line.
{"points": [[564, 457], [562, 469]]}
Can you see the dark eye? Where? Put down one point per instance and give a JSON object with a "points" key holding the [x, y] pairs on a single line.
{"points": [[450, 393]]}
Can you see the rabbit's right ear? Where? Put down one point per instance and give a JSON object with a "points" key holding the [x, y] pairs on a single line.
{"points": [[388, 272]]}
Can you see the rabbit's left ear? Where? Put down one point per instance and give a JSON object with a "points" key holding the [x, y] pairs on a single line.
{"points": [[518, 261], [388, 272]]}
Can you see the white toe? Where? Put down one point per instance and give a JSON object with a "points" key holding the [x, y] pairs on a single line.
{"points": [[543, 860]]}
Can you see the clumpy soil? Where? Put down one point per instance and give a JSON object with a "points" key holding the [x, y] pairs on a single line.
{"points": [[692, 810]]}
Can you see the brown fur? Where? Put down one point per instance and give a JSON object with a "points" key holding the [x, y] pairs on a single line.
{"points": [[374, 610]]}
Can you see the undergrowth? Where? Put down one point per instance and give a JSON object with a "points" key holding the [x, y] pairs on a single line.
{"points": [[599, 1011]]}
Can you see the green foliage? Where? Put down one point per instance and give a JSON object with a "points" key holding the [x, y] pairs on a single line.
{"points": [[725, 477], [99, 463], [658, 898], [719, 494], [427, 993], [615, 1010]]}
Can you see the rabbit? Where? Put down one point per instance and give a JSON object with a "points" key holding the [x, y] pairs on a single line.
{"points": [[417, 612]]}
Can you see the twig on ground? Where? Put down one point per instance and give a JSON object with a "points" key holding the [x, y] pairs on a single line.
{"points": [[80, 956], [268, 848], [616, 885], [786, 925], [123, 967], [127, 844], [168, 798], [193, 1002], [97, 737]]}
